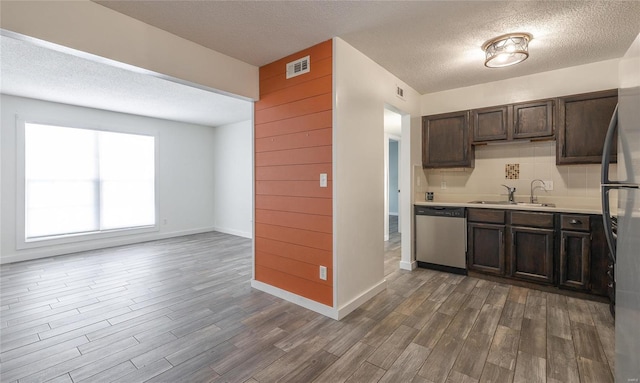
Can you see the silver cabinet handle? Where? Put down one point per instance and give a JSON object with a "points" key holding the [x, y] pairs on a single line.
{"points": [[575, 222]]}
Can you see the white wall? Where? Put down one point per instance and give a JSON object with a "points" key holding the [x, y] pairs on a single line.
{"points": [[233, 178], [89, 27], [574, 185], [362, 89], [186, 176], [573, 80]]}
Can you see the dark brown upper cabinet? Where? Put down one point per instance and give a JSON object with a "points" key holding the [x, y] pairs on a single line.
{"points": [[582, 125], [446, 141], [528, 120], [533, 119], [491, 124]]}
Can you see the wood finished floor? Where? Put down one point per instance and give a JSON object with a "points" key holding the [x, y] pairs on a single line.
{"points": [[182, 310]]}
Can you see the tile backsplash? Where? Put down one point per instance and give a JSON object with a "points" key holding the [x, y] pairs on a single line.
{"points": [[512, 171], [572, 184]]}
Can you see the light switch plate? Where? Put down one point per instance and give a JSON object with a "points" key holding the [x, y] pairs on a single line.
{"points": [[323, 180], [548, 184]]}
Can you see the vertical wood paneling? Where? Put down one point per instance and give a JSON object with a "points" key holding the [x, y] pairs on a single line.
{"points": [[293, 145]]}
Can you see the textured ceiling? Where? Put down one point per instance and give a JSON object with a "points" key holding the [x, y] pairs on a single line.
{"points": [[431, 45], [28, 70]]}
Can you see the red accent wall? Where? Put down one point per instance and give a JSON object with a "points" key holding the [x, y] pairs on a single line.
{"points": [[293, 142]]}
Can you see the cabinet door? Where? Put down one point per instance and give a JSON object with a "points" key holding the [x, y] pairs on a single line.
{"points": [[582, 126], [601, 268], [533, 119], [445, 141], [575, 259], [490, 124], [531, 254], [485, 250]]}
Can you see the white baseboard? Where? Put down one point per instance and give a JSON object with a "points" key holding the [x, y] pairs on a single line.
{"points": [[239, 233], [404, 265], [51, 251], [319, 307], [296, 299], [362, 298]]}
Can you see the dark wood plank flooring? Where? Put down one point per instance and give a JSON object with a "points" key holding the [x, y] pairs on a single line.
{"points": [[182, 310]]}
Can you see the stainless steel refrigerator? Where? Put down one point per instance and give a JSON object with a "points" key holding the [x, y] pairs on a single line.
{"points": [[623, 234]]}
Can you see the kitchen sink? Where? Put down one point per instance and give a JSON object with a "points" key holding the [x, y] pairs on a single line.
{"points": [[514, 203], [493, 202], [535, 204]]}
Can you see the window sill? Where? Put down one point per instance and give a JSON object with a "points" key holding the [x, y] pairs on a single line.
{"points": [[81, 237]]}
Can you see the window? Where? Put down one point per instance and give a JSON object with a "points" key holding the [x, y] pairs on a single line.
{"points": [[86, 181]]}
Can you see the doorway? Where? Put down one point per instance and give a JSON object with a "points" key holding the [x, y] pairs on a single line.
{"points": [[392, 134], [394, 191]]}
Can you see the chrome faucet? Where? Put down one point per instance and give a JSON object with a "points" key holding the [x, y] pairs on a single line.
{"points": [[533, 198], [510, 190]]}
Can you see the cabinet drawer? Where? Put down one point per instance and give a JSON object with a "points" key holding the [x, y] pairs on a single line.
{"points": [[532, 219], [575, 222], [486, 215]]}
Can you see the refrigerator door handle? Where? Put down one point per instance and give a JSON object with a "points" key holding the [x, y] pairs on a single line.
{"points": [[606, 183], [608, 145], [606, 219]]}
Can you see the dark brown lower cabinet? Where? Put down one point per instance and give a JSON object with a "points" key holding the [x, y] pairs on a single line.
{"points": [[583, 254], [531, 254], [575, 260], [486, 248], [611, 288], [560, 249], [601, 265]]}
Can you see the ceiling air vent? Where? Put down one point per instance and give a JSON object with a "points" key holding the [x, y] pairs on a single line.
{"points": [[399, 92], [298, 67]]}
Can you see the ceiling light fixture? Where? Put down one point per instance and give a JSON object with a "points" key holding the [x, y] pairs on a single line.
{"points": [[506, 50]]}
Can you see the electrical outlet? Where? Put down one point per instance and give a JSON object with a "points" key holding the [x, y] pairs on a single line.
{"points": [[323, 273], [323, 180], [164, 221], [548, 184], [443, 185]]}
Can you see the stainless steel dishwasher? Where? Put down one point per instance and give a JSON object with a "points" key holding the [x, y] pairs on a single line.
{"points": [[441, 238]]}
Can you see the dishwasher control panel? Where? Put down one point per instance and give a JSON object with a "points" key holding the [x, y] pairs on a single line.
{"points": [[440, 211]]}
